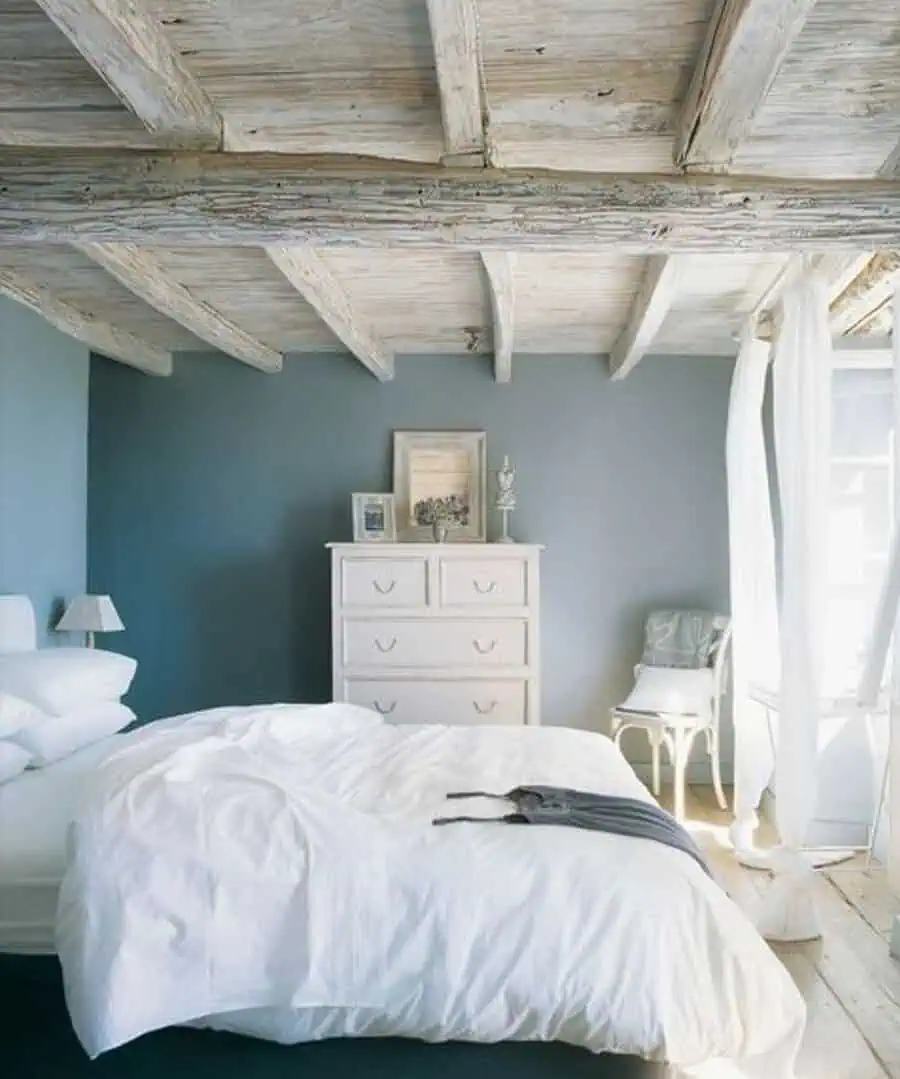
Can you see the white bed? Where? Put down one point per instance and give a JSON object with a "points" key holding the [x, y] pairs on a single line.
{"points": [[35, 812], [274, 872]]}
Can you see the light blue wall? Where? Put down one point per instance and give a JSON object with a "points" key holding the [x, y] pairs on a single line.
{"points": [[213, 493], [43, 462]]}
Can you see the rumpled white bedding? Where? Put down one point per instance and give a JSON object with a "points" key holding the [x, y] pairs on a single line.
{"points": [[274, 871]]}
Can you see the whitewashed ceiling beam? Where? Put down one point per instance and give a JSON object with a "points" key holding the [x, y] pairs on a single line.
{"points": [[98, 335], [306, 270], [500, 268], [457, 61], [861, 305], [138, 270], [745, 46], [651, 304], [837, 269], [891, 168], [289, 200], [129, 50]]}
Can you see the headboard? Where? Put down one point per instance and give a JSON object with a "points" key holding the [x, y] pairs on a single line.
{"points": [[18, 628]]}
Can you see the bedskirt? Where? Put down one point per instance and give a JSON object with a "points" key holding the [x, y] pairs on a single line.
{"points": [[38, 1041]]}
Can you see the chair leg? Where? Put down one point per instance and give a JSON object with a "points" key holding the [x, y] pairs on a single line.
{"points": [[655, 740], [682, 740], [712, 748]]}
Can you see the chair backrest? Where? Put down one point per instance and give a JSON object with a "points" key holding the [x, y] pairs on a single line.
{"points": [[708, 631], [719, 654], [681, 638]]}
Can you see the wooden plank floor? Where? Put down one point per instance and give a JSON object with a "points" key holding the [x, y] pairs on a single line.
{"points": [[850, 982]]}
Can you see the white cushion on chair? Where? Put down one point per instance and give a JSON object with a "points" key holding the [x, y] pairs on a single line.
{"points": [[675, 690]]}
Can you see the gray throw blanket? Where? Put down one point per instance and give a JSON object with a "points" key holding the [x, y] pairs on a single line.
{"points": [[679, 639], [582, 809]]}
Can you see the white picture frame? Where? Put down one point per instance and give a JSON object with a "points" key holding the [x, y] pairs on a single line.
{"points": [[374, 519], [437, 464]]}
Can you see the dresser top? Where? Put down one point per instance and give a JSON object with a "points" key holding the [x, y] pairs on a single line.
{"points": [[450, 547]]}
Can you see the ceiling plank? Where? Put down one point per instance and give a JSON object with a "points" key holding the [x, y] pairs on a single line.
{"points": [[744, 49], [306, 270], [287, 200], [100, 336], [500, 267], [658, 288], [131, 53], [457, 61], [865, 297], [139, 271]]}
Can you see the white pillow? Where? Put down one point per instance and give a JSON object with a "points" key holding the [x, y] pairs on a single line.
{"points": [[16, 714], [60, 736], [13, 760], [671, 689], [60, 679]]}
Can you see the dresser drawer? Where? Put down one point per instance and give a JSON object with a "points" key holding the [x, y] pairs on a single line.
{"points": [[483, 582], [457, 703], [395, 643], [384, 582]]}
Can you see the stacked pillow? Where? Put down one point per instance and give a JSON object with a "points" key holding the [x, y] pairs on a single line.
{"points": [[59, 700]]}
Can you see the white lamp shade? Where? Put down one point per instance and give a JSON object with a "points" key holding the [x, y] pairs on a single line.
{"points": [[90, 614]]}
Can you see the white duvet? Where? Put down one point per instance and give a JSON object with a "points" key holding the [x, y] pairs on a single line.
{"points": [[274, 871]]}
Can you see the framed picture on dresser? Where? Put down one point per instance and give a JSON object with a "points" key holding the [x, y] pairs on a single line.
{"points": [[373, 518], [438, 472]]}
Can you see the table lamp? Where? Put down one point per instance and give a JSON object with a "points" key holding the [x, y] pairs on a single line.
{"points": [[90, 615]]}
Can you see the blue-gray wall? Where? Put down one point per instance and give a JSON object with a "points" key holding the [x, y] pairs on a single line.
{"points": [[43, 462], [213, 493]]}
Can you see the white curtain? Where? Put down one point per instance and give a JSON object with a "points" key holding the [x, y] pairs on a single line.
{"points": [[751, 543], [802, 401]]}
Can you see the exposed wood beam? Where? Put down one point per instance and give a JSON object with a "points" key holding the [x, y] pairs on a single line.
{"points": [[100, 336], [891, 168], [837, 269], [457, 61], [139, 271], [657, 290], [859, 305], [131, 53], [500, 267], [745, 46], [287, 200], [307, 272]]}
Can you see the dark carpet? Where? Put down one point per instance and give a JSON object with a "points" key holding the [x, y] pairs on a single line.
{"points": [[36, 1042]]}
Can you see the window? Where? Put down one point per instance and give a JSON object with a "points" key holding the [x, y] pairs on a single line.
{"points": [[861, 516]]}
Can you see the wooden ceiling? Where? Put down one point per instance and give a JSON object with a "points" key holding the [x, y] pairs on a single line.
{"points": [[481, 176]]}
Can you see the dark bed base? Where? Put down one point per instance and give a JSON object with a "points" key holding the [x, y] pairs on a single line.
{"points": [[36, 1042]]}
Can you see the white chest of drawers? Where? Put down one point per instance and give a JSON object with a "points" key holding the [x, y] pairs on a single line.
{"points": [[437, 633]]}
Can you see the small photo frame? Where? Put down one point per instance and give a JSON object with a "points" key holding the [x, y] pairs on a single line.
{"points": [[373, 518]]}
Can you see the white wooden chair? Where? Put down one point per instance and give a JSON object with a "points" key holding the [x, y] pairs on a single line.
{"points": [[677, 731]]}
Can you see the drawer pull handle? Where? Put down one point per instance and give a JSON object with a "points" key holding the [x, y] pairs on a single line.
{"points": [[381, 590], [384, 709], [484, 711], [484, 649], [386, 647], [492, 587]]}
